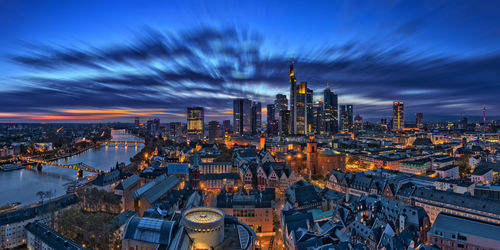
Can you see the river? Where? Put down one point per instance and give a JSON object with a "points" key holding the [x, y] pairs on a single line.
{"points": [[22, 185]]}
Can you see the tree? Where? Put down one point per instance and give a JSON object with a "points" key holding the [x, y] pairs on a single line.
{"points": [[41, 195]]}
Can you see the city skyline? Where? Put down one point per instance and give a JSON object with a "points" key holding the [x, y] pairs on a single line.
{"points": [[156, 66]]}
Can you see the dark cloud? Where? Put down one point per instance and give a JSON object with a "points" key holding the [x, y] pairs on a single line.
{"points": [[209, 66]]}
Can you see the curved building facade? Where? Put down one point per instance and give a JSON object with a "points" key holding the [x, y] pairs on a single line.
{"points": [[205, 226]]}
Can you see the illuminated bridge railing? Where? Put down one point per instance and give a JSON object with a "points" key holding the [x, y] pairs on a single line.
{"points": [[78, 166]]}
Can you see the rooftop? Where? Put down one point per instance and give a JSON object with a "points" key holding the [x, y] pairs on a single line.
{"points": [[50, 237]]}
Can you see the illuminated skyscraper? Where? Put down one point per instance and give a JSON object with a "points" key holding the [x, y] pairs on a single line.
{"points": [[293, 100], [420, 120], [331, 112], [301, 109], [242, 117], [317, 122], [195, 123], [346, 118], [398, 118], [309, 110], [256, 117]]}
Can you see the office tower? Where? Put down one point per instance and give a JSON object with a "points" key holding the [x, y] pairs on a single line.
{"points": [[226, 125], [346, 119], [309, 110], [464, 123], [331, 112], [284, 123], [398, 118], [281, 103], [293, 100], [256, 118], [175, 129], [301, 109], [270, 112], [156, 125], [149, 125], [358, 123], [317, 122], [137, 123], [272, 127], [242, 117], [420, 120], [195, 123], [214, 131]]}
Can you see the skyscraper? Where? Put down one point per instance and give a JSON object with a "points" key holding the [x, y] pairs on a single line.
{"points": [[214, 131], [226, 125], [175, 129], [309, 110], [331, 112], [272, 122], [317, 122], [195, 123], [242, 116], [398, 118], [346, 118], [420, 120], [301, 109], [136, 123], [271, 115], [358, 123], [293, 100], [281, 103], [256, 117], [284, 123]]}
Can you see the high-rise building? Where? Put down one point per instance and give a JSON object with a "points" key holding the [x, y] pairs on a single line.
{"points": [[270, 112], [175, 129], [293, 100], [420, 120], [195, 123], [272, 122], [346, 118], [214, 131], [301, 109], [242, 116], [331, 112], [398, 118], [281, 103], [256, 117], [226, 125], [317, 122], [284, 123], [272, 127], [137, 123], [358, 123], [309, 110]]}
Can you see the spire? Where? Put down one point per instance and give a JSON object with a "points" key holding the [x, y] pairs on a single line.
{"points": [[484, 113], [292, 74]]}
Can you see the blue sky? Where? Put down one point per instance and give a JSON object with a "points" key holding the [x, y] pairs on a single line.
{"points": [[111, 60]]}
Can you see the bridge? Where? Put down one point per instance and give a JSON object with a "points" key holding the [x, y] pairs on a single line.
{"points": [[78, 166], [117, 142]]}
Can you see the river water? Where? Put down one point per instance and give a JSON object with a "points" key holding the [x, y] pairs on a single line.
{"points": [[22, 185]]}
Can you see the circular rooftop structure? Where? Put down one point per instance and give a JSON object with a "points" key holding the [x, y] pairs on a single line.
{"points": [[203, 215], [205, 225]]}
